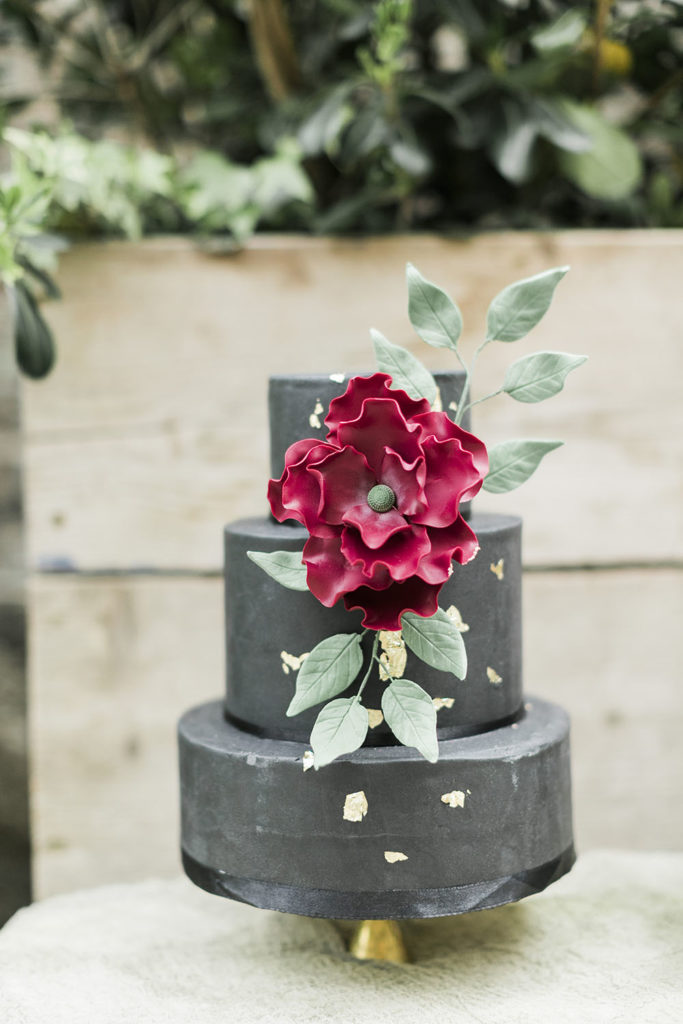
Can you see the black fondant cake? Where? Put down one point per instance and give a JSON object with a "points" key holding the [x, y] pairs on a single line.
{"points": [[380, 832]]}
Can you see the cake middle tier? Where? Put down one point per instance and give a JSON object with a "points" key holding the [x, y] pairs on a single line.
{"points": [[269, 629]]}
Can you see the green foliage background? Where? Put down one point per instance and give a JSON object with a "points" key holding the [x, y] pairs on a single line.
{"points": [[216, 117]]}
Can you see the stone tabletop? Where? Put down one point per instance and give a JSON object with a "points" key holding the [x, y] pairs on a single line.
{"points": [[605, 944]]}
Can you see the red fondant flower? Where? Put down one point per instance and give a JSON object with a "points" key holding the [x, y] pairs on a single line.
{"points": [[380, 498]]}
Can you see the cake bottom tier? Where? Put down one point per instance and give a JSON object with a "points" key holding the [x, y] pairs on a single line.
{"points": [[380, 833]]}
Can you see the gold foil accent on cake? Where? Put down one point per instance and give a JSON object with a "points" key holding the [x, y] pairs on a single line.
{"points": [[392, 856], [375, 717], [355, 806], [443, 702], [290, 662], [497, 568], [308, 760], [493, 676], [456, 618], [456, 798], [437, 404], [314, 418], [392, 660], [338, 378]]}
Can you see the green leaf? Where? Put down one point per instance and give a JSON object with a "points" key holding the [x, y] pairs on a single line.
{"points": [[410, 714], [611, 169], [406, 371], [33, 341], [434, 315], [562, 33], [330, 667], [512, 147], [436, 640], [539, 376], [513, 462], [554, 123], [284, 566], [340, 728], [521, 305]]}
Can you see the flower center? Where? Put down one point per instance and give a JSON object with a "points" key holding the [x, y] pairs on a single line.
{"points": [[381, 498]]}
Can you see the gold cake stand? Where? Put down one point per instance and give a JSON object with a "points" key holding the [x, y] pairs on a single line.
{"points": [[379, 940]]}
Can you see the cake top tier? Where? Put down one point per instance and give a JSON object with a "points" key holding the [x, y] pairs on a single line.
{"points": [[298, 404]]}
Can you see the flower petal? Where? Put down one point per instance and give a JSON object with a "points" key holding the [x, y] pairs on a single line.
{"points": [[400, 555], [349, 405], [406, 480], [375, 527], [294, 456], [456, 542], [383, 608], [301, 495], [329, 574], [345, 480], [441, 426], [450, 474], [381, 425]]}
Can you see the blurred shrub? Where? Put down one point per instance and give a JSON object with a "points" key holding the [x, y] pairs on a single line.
{"points": [[220, 116], [430, 114]]}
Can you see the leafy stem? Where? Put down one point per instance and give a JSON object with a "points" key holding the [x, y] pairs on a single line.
{"points": [[373, 657], [469, 372], [492, 394]]}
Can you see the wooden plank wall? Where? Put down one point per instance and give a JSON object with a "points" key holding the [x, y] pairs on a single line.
{"points": [[151, 433]]}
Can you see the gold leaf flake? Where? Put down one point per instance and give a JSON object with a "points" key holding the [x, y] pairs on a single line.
{"points": [[394, 655], [454, 799], [314, 418], [437, 404], [443, 702], [308, 760], [338, 378], [290, 662], [497, 568], [355, 806], [453, 406], [493, 676], [456, 618], [375, 717], [391, 856]]}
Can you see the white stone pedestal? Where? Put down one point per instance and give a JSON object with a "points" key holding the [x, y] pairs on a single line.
{"points": [[604, 944]]}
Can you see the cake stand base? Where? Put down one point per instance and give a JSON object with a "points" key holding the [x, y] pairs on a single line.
{"points": [[379, 940]]}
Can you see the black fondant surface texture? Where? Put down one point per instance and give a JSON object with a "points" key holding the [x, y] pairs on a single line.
{"points": [[252, 816], [263, 620]]}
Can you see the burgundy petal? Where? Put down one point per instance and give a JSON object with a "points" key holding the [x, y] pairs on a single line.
{"points": [[383, 608], [450, 474], [345, 480], [406, 480], [295, 455], [381, 425], [349, 405], [400, 555], [456, 542], [441, 426], [375, 527], [301, 493], [329, 575]]}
